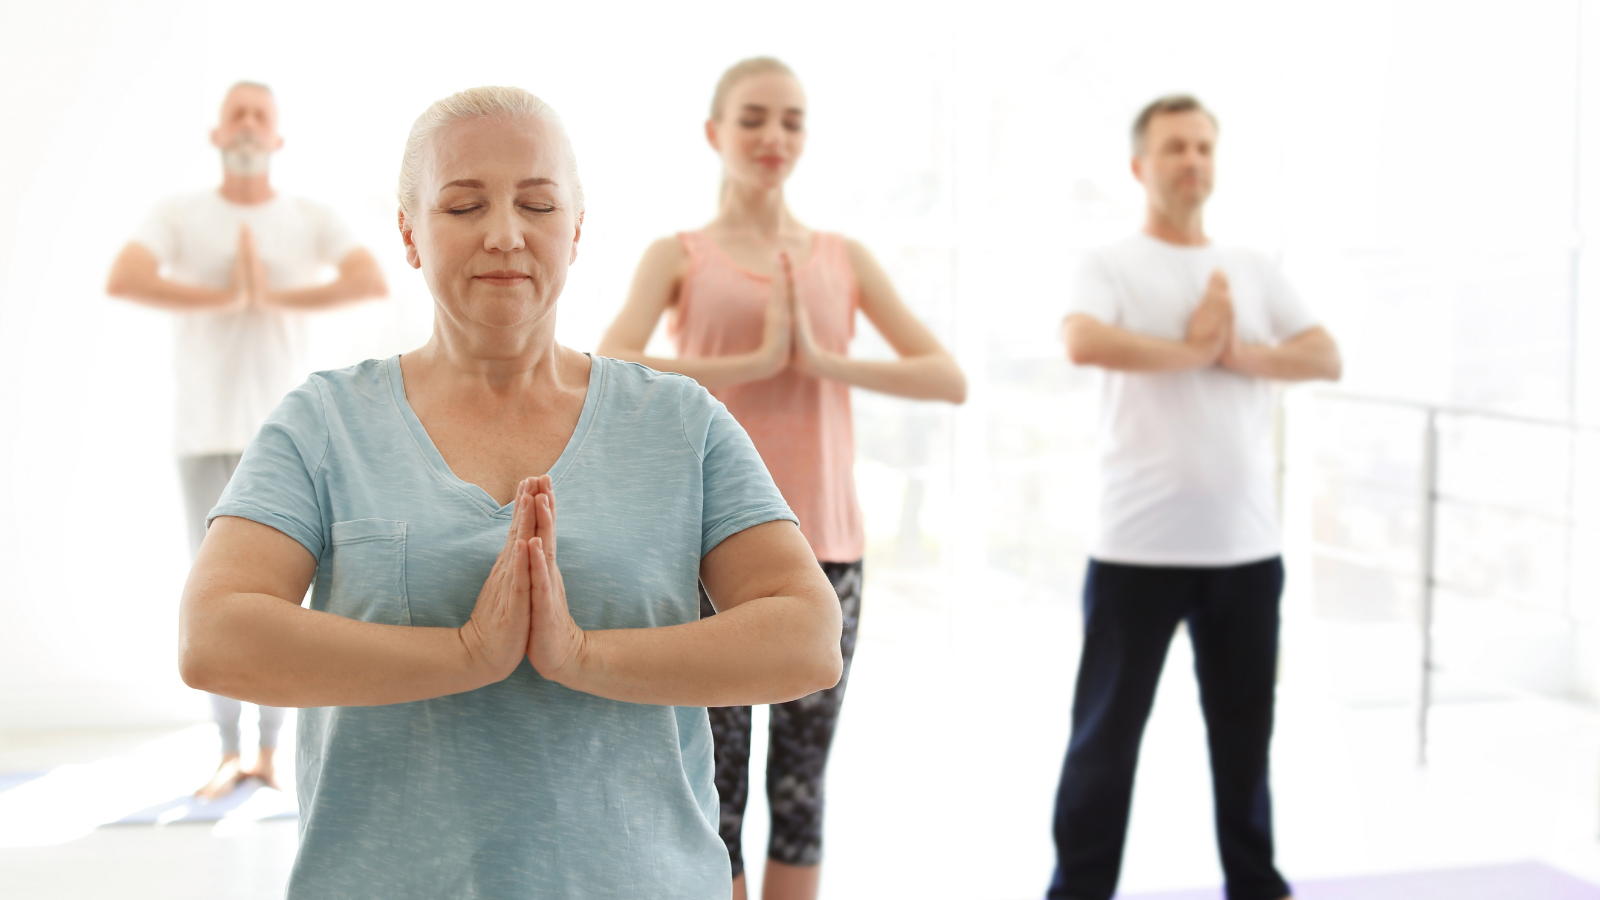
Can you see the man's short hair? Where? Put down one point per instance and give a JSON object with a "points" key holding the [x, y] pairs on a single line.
{"points": [[1171, 103]]}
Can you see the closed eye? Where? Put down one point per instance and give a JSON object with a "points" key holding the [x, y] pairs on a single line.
{"points": [[462, 210]]}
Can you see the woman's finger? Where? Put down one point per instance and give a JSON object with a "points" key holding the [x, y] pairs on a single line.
{"points": [[517, 504], [546, 522], [524, 519], [538, 577], [520, 580]]}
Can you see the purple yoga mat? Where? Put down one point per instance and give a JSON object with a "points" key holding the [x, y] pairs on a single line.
{"points": [[1515, 881]]}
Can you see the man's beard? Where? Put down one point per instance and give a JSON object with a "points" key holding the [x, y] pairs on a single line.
{"points": [[246, 157]]}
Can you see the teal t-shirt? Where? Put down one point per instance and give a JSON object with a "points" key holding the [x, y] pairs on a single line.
{"points": [[521, 789]]}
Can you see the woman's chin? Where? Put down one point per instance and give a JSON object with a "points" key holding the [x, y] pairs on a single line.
{"points": [[501, 315]]}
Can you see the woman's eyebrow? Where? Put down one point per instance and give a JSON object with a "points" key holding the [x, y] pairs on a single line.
{"points": [[476, 184]]}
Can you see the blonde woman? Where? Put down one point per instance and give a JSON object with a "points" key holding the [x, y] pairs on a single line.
{"points": [[491, 715], [763, 309]]}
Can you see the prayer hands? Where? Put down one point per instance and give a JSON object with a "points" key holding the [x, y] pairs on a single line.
{"points": [[1211, 326], [248, 286], [522, 608], [555, 642], [496, 636], [777, 336], [807, 356], [1246, 359], [787, 340]]}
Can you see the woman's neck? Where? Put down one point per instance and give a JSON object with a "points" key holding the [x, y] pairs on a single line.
{"points": [[471, 356], [759, 211]]}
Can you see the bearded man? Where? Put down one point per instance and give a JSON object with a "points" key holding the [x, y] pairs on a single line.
{"points": [[240, 266]]}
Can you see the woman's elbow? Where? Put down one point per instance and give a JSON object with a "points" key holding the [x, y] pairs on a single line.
{"points": [[822, 662], [828, 668], [957, 390], [195, 668]]}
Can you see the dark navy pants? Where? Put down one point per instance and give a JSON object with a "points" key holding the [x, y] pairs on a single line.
{"points": [[1130, 614]]}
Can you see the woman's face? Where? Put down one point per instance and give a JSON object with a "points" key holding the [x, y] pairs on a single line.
{"points": [[762, 130], [495, 227]]}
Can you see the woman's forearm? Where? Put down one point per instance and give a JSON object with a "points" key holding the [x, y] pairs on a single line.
{"points": [[766, 650], [264, 649], [934, 376], [711, 371]]}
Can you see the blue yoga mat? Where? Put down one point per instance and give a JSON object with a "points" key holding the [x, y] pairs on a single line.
{"points": [[9, 780], [1516, 881], [266, 804]]}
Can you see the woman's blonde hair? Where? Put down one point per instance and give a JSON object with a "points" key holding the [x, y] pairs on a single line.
{"points": [[478, 102], [739, 71]]}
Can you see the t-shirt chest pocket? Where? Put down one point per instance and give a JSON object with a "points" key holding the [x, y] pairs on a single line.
{"points": [[367, 571]]}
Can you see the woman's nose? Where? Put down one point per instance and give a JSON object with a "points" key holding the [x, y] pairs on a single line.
{"points": [[504, 231]]}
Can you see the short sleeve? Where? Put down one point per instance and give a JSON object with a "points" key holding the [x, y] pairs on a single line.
{"points": [[1287, 314], [1095, 293], [737, 491], [275, 483], [334, 238], [159, 233]]}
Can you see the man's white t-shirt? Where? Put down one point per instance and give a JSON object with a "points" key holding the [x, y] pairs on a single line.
{"points": [[1186, 458], [234, 367]]}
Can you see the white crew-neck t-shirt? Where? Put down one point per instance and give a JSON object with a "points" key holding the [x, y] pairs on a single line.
{"points": [[1186, 458], [234, 367]]}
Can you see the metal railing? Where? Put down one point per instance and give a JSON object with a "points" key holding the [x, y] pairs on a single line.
{"points": [[1429, 499]]}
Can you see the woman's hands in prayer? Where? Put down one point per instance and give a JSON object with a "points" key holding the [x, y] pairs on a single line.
{"points": [[496, 636], [522, 608], [555, 642], [788, 342], [777, 334], [808, 358]]}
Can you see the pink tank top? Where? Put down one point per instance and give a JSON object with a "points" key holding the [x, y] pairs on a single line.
{"points": [[800, 425]]}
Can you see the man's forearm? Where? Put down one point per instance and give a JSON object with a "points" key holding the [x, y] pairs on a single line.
{"points": [[359, 279], [1094, 343], [322, 296], [171, 295], [1310, 356]]}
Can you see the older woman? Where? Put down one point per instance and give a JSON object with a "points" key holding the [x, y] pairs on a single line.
{"points": [[490, 716]]}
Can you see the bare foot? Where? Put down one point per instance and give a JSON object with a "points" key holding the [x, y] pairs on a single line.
{"points": [[227, 778], [263, 769]]}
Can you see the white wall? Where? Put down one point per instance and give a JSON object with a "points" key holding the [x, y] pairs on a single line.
{"points": [[1411, 161]]}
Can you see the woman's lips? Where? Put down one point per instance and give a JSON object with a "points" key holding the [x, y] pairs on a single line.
{"points": [[771, 162], [501, 278]]}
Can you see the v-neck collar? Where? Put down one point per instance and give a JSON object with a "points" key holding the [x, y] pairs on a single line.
{"points": [[430, 453]]}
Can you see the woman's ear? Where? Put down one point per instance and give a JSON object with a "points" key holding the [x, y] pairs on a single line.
{"points": [[711, 135], [412, 256]]}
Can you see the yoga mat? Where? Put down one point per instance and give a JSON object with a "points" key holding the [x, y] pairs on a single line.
{"points": [[1515, 881], [251, 800], [9, 780]]}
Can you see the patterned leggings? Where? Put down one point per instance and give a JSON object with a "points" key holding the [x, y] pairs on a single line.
{"points": [[797, 750]]}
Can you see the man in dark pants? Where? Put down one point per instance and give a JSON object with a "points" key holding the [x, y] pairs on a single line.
{"points": [[1190, 336]]}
